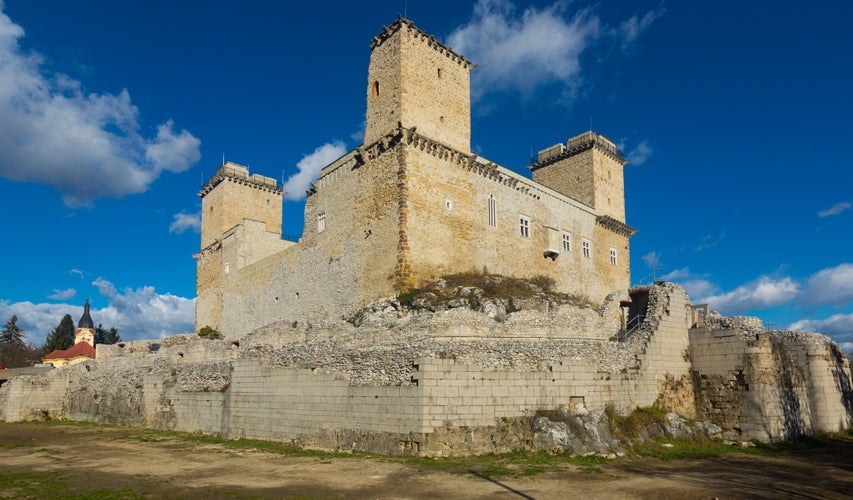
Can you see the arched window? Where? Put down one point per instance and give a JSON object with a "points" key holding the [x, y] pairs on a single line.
{"points": [[374, 90], [493, 211]]}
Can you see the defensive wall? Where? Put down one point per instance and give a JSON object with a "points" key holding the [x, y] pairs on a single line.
{"points": [[440, 389]]}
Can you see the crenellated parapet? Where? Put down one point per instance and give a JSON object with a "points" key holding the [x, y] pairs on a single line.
{"points": [[402, 23], [576, 145], [238, 173]]}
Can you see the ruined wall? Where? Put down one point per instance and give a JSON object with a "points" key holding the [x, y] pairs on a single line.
{"points": [[190, 384], [770, 385]]}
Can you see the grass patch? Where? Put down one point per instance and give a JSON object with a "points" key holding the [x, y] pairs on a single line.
{"points": [[513, 464], [32, 485]]}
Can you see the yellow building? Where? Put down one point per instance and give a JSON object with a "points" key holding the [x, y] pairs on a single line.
{"points": [[84, 344]]}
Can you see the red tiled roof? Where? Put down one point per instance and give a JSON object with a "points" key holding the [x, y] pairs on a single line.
{"points": [[77, 350]]}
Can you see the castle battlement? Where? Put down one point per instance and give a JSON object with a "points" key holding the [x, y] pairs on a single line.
{"points": [[403, 23], [240, 174], [575, 145]]}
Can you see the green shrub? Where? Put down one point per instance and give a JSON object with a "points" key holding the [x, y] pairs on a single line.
{"points": [[207, 332]]}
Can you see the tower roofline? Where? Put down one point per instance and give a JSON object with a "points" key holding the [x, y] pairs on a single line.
{"points": [[240, 174], [576, 145], [401, 23]]}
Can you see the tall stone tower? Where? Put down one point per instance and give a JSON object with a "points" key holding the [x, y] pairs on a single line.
{"points": [[416, 81], [587, 168], [227, 198], [232, 195]]}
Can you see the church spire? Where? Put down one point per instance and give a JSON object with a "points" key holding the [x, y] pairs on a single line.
{"points": [[86, 320]]}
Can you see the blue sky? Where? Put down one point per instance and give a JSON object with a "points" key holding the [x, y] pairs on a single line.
{"points": [[737, 118]]}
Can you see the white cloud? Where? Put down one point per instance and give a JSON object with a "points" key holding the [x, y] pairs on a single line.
{"points": [[640, 154], [631, 29], [84, 145], [144, 313], [184, 222], [523, 51], [761, 293], [77, 272], [838, 326], [835, 209], [309, 169], [652, 259], [137, 314], [37, 320], [66, 294], [698, 287], [833, 285], [680, 273]]}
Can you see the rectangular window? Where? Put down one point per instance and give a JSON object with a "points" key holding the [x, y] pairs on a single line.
{"points": [[524, 226], [613, 260], [493, 211], [587, 252], [567, 242], [321, 222]]}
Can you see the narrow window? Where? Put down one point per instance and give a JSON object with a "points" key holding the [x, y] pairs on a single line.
{"points": [[439, 72], [321, 222], [374, 92], [493, 211], [613, 260], [448, 204], [567, 242], [524, 226], [587, 253]]}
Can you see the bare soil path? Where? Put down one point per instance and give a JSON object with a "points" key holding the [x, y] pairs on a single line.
{"points": [[53, 460]]}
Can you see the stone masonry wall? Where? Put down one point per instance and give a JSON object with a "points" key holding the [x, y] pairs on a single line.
{"points": [[225, 388], [771, 385]]}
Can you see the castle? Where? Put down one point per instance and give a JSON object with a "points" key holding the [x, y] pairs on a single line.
{"points": [[409, 205]]}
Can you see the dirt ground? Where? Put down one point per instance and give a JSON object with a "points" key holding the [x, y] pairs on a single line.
{"points": [[40, 460]]}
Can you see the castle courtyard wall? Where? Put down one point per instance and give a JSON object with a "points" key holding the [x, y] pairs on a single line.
{"points": [[448, 226]]}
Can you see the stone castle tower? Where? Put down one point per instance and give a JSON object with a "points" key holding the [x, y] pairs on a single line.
{"points": [[415, 81], [410, 204]]}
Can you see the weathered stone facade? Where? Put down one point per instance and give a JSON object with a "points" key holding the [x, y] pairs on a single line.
{"points": [[411, 204], [454, 382], [321, 351]]}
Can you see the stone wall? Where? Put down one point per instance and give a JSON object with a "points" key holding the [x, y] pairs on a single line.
{"points": [[449, 392], [770, 385]]}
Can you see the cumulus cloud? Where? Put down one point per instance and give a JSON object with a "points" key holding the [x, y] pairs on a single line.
{"points": [[309, 168], [523, 51], [144, 313], [761, 293], [137, 314], [835, 209], [84, 145], [694, 284], [66, 294], [640, 154], [37, 320], [833, 285], [185, 222], [838, 326]]}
